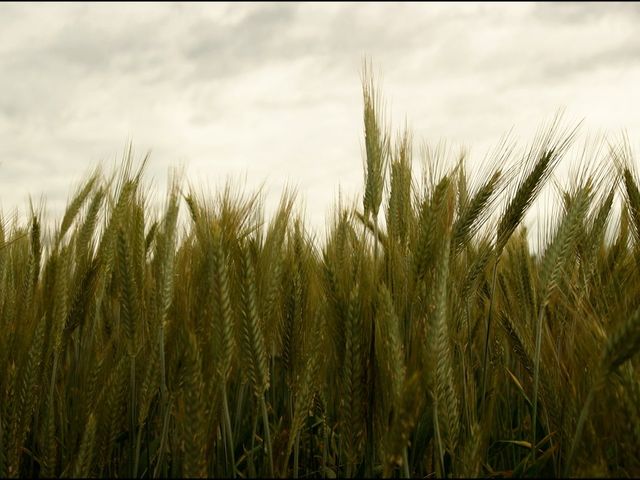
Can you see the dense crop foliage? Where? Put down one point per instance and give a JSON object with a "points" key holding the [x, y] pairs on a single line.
{"points": [[423, 336]]}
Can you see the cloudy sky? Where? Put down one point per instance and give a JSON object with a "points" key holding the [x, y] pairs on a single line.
{"points": [[272, 93]]}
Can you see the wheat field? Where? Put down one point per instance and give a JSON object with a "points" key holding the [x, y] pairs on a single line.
{"points": [[422, 336]]}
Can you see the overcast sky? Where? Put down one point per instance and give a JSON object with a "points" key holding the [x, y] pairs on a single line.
{"points": [[272, 91]]}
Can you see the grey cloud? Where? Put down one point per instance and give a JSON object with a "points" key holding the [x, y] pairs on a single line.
{"points": [[574, 44], [267, 35], [573, 66], [625, 55], [88, 43], [98, 51], [218, 50], [580, 12]]}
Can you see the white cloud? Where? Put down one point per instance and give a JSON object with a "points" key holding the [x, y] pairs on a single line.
{"points": [[272, 90]]}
